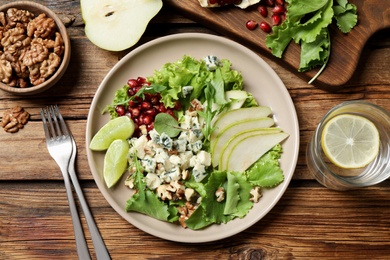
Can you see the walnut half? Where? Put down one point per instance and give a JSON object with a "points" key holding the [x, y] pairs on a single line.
{"points": [[14, 119]]}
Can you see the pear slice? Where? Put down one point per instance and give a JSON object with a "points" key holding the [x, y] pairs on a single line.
{"points": [[237, 98], [235, 115], [236, 128], [116, 25], [243, 150]]}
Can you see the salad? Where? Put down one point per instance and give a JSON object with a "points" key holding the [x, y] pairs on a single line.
{"points": [[181, 114]]}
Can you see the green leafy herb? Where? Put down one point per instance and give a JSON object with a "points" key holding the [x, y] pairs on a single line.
{"points": [[165, 123], [307, 24], [266, 172], [146, 201]]}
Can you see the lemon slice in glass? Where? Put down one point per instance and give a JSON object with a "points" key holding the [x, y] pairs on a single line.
{"points": [[350, 141], [115, 161]]}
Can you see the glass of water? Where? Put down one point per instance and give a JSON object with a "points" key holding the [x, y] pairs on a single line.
{"points": [[337, 178]]}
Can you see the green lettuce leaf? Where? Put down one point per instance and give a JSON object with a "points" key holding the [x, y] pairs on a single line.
{"points": [[266, 172]]}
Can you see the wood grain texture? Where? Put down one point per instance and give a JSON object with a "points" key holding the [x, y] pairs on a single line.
{"points": [[309, 222], [374, 15]]}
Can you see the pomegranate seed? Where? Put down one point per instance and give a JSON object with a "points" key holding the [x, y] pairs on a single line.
{"points": [[131, 92], [263, 10], [162, 108], [276, 19], [150, 127], [177, 106], [132, 103], [132, 83], [270, 2], [279, 9], [279, 2], [151, 112], [141, 80], [265, 27], [120, 110], [147, 120], [145, 105], [154, 100], [251, 24], [170, 112], [135, 112]]}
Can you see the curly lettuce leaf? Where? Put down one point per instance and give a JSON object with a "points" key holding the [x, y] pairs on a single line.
{"points": [[315, 53], [236, 203], [346, 17], [306, 23], [266, 172], [147, 202]]}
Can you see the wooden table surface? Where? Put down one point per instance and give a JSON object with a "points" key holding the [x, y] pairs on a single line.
{"points": [[309, 221]]}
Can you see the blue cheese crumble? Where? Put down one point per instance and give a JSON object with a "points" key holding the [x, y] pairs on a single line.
{"points": [[166, 161]]}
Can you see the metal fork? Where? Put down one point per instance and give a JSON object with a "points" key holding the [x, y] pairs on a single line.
{"points": [[97, 240], [98, 243], [60, 147]]}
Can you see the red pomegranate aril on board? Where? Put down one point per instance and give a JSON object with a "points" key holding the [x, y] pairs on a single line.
{"points": [[276, 19], [279, 9], [262, 10], [265, 27], [251, 24], [270, 2], [132, 103], [279, 2]]}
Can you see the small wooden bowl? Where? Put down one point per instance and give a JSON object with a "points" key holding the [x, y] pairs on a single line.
{"points": [[38, 9]]}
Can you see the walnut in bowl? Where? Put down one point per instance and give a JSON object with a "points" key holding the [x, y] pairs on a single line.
{"points": [[34, 48]]}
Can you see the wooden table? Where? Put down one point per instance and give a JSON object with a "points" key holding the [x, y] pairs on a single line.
{"points": [[309, 221]]}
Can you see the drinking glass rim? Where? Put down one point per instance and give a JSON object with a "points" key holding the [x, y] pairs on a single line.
{"points": [[318, 148]]}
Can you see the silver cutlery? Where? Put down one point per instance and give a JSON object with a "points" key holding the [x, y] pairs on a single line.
{"points": [[62, 148]]}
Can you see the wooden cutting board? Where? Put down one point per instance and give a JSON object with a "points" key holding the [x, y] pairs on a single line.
{"points": [[373, 16]]}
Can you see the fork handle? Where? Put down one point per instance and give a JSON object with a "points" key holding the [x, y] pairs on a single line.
{"points": [[97, 240], [81, 243]]}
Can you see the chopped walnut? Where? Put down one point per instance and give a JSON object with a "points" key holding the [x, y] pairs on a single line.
{"points": [[5, 70], [256, 194], [16, 16], [31, 48], [185, 212], [14, 119], [41, 27], [220, 194]]}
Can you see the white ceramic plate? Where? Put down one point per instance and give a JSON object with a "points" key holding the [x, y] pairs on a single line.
{"points": [[259, 79]]}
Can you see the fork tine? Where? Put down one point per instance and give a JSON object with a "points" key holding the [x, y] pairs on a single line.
{"points": [[62, 121], [54, 121], [44, 121]]}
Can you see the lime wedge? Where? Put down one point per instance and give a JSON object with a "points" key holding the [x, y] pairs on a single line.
{"points": [[350, 141], [115, 161], [117, 128]]}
